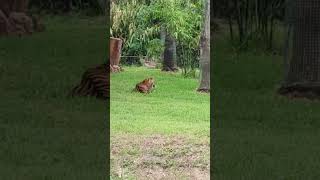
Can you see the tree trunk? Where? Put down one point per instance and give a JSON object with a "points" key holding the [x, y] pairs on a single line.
{"points": [[163, 39], [205, 52], [303, 74], [169, 55], [103, 5], [67, 6], [115, 54]]}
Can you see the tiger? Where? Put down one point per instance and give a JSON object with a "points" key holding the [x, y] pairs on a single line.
{"points": [[145, 86], [95, 82]]}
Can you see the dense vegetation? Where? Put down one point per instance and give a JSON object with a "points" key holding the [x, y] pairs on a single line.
{"points": [[141, 24], [251, 21]]}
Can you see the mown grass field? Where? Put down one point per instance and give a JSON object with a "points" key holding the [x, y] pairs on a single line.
{"points": [[257, 133], [157, 132], [44, 134]]}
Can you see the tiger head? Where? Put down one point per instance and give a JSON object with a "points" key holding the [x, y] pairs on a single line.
{"points": [[151, 82]]}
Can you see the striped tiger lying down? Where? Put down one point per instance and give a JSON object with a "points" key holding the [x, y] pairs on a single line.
{"points": [[95, 82]]}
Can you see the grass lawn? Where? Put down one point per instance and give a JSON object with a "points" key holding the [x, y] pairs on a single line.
{"points": [[258, 134], [43, 134], [161, 134]]}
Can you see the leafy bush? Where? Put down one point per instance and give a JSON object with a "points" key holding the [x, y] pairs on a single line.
{"points": [[139, 24], [128, 23], [154, 49]]}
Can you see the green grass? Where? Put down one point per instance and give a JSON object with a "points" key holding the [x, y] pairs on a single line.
{"points": [[174, 107], [43, 134], [258, 134], [174, 115]]}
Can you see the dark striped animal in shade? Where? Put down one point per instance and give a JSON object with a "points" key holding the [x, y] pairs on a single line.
{"points": [[95, 82]]}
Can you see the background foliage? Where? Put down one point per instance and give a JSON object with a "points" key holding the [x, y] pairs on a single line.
{"points": [[139, 23], [251, 21]]}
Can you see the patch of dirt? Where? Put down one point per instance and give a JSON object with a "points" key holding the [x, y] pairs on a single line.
{"points": [[150, 64], [159, 157]]}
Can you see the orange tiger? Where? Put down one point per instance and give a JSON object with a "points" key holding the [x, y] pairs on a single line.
{"points": [[145, 86]]}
